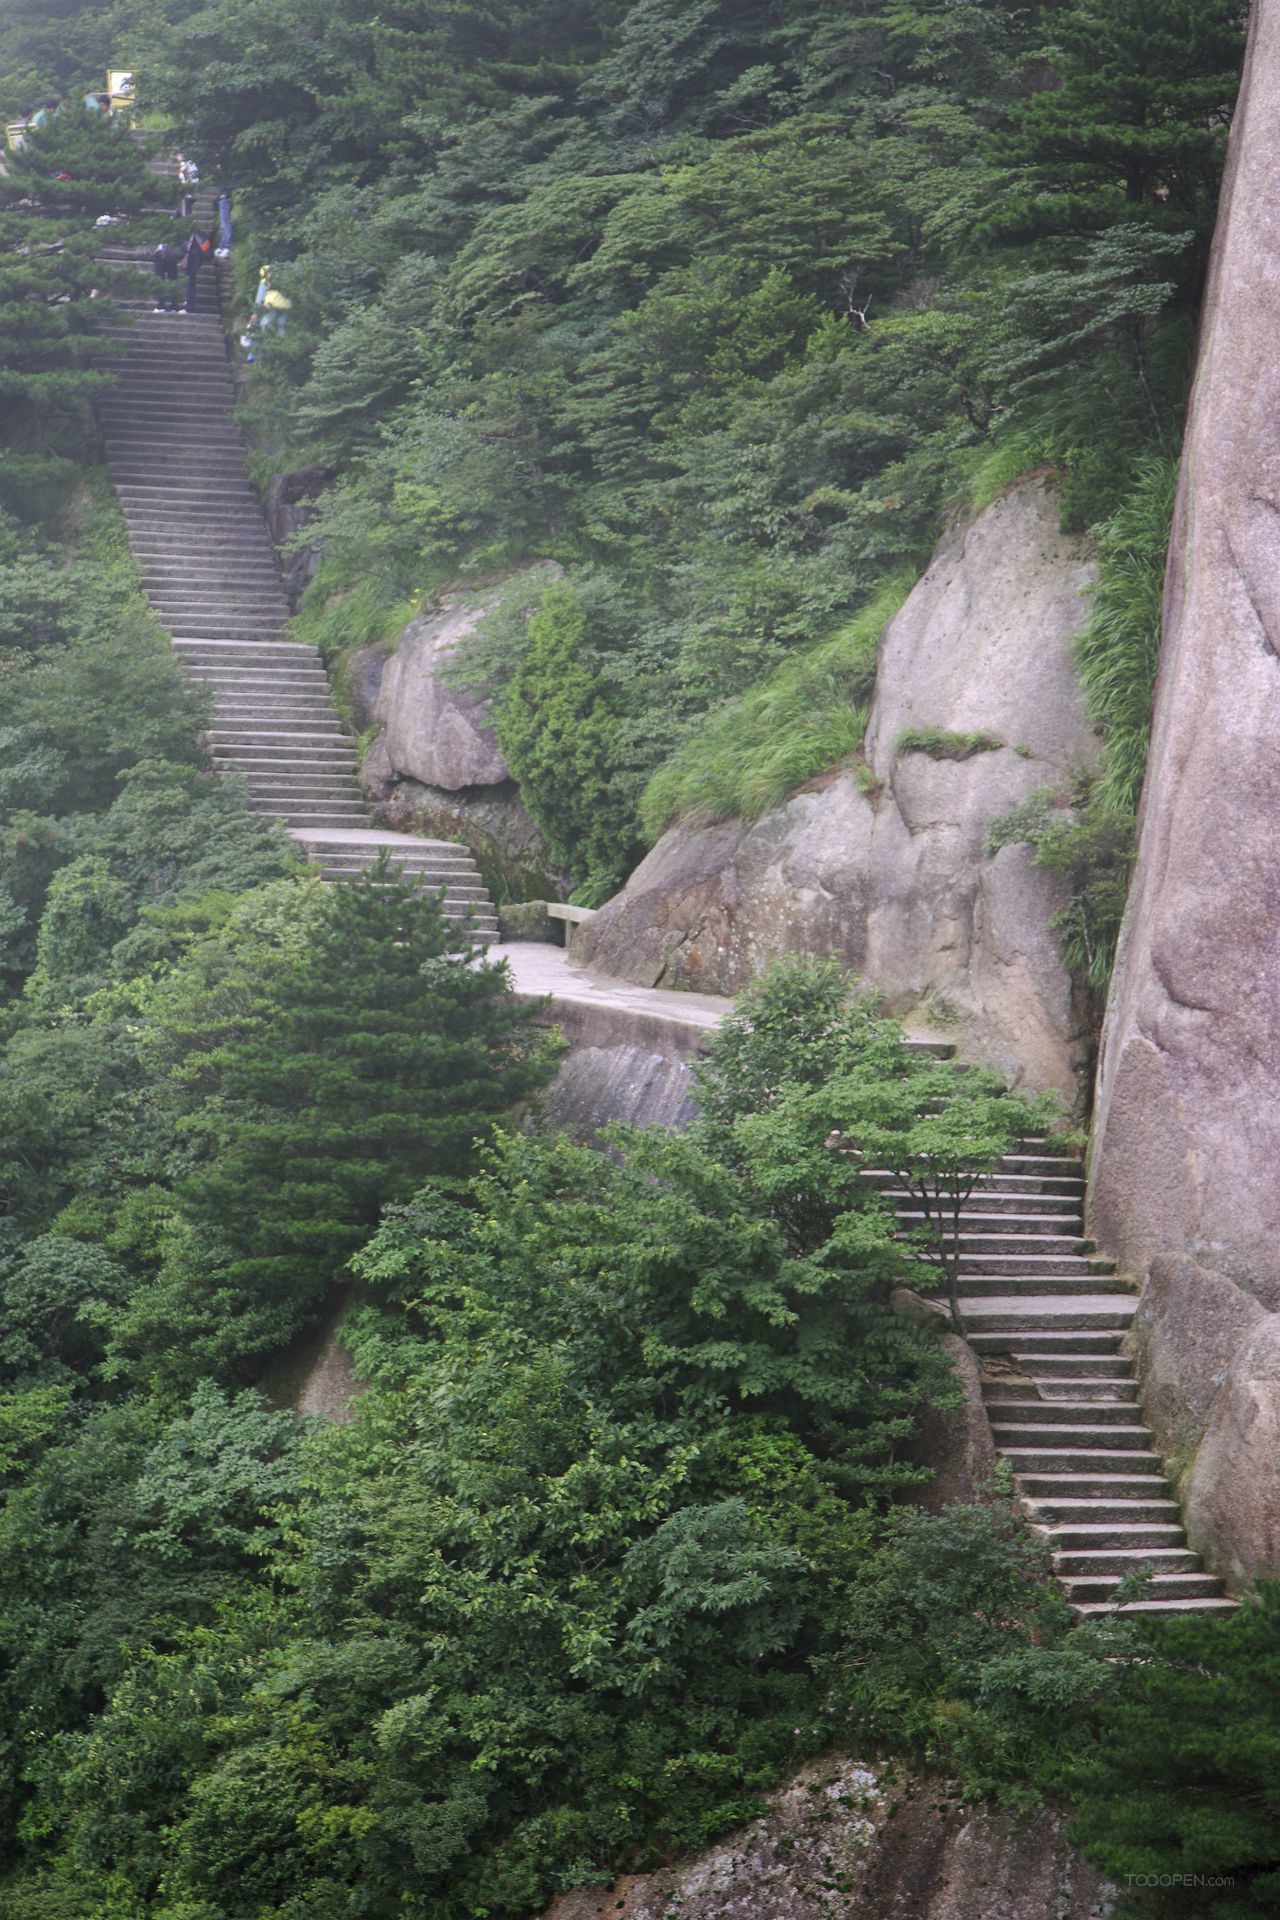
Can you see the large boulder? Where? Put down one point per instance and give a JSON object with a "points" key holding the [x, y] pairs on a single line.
{"points": [[847, 1838], [1187, 1140], [435, 733], [889, 869], [599, 1085], [434, 766]]}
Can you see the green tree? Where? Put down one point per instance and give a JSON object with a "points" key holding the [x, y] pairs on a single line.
{"points": [[74, 168], [1179, 1789], [563, 746], [338, 1078]]}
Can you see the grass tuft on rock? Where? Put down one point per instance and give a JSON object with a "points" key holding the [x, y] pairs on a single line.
{"points": [[808, 716]]}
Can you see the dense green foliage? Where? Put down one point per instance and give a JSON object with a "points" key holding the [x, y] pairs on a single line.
{"points": [[718, 306], [53, 289], [1180, 1788]]}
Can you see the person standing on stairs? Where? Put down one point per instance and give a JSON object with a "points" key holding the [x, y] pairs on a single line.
{"points": [[164, 264], [188, 180], [197, 250], [222, 208]]}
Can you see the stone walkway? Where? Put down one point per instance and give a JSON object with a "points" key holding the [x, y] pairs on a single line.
{"points": [[211, 573]]}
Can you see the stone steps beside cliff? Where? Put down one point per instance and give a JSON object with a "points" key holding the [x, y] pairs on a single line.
{"points": [[210, 572], [1048, 1318]]}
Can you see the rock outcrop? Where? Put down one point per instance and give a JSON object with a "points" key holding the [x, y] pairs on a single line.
{"points": [[289, 508], [435, 766], [1187, 1141], [844, 1839], [1208, 1360], [432, 732], [889, 871]]}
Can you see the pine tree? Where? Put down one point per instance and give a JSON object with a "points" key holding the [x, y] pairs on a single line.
{"points": [[1140, 118], [367, 1066], [51, 281]]}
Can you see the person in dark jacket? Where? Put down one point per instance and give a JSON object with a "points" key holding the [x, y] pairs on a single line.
{"points": [[198, 249], [164, 264]]}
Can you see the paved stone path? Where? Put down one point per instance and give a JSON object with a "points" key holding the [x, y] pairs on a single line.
{"points": [[1047, 1316], [210, 571]]}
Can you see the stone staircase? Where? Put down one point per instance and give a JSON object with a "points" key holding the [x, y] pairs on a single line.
{"points": [[210, 571], [1047, 1317]]}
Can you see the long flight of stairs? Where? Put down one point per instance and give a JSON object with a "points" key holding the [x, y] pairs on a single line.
{"points": [[1047, 1317], [210, 571]]}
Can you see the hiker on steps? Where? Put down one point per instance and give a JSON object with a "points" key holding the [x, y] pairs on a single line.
{"points": [[198, 249], [222, 210], [188, 180], [164, 264]]}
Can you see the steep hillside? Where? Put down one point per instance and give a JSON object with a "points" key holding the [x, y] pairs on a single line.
{"points": [[724, 455]]}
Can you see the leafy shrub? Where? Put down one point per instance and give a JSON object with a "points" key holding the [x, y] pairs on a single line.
{"points": [[941, 745], [563, 746]]}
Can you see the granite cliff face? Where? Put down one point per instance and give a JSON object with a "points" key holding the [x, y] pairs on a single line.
{"points": [[1188, 1128], [1184, 1186], [890, 871]]}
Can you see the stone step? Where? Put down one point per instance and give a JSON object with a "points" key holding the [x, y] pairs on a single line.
{"points": [[988, 1204], [254, 612], [269, 710], [1049, 1366], [1004, 1234], [1028, 1346], [1119, 1560], [267, 680], [1013, 1435], [1070, 1315], [165, 547], [305, 816], [1026, 1264], [244, 734], [1041, 1489], [1015, 1415], [1061, 1285], [1101, 1392], [1091, 1456], [1127, 1538], [250, 653], [1099, 1588], [1162, 1607], [254, 767], [448, 859], [994, 1228], [1073, 1511], [302, 786], [232, 505], [239, 628]]}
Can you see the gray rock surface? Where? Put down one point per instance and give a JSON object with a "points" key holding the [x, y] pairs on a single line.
{"points": [[1187, 1140], [845, 1839], [956, 1441], [896, 881], [1231, 1498], [1208, 1358], [432, 732], [289, 510], [1189, 1329], [596, 1085]]}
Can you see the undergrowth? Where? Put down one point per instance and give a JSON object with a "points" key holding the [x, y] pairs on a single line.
{"points": [[808, 716]]}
